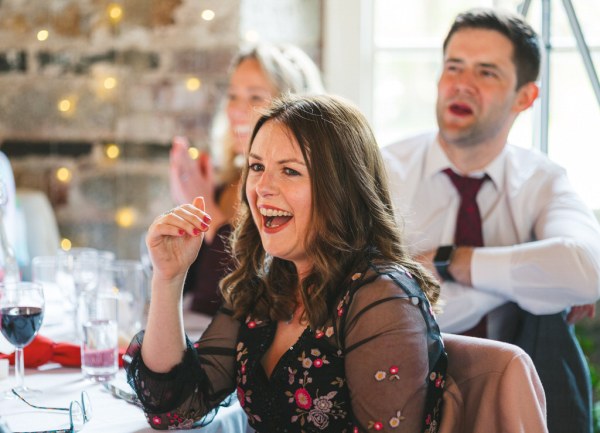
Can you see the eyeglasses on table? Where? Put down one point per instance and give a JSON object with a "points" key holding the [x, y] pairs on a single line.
{"points": [[80, 412]]}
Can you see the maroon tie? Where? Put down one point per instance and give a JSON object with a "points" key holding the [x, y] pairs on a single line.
{"points": [[468, 226]]}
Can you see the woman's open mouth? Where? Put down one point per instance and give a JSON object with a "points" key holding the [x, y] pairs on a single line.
{"points": [[275, 218]]}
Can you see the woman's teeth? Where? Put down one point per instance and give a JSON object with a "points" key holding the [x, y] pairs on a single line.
{"points": [[273, 212]]}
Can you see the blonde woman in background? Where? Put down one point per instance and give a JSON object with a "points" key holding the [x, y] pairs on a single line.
{"points": [[258, 74]]}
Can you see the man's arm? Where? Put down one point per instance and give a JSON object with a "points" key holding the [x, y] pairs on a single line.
{"points": [[559, 267]]}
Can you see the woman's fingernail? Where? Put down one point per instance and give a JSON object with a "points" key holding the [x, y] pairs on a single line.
{"points": [[207, 219], [196, 231], [204, 225], [181, 232]]}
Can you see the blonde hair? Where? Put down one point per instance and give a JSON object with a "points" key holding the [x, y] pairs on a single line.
{"points": [[289, 69]]}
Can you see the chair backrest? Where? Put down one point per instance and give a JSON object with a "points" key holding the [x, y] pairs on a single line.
{"points": [[43, 238], [491, 387]]}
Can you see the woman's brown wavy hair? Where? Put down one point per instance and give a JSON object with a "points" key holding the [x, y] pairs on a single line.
{"points": [[352, 218]]}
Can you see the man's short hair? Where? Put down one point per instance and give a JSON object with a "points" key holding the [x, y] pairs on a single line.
{"points": [[526, 46]]}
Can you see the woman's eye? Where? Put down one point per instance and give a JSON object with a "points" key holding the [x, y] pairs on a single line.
{"points": [[291, 172], [255, 167], [257, 99]]}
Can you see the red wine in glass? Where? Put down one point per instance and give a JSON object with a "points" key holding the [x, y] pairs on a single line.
{"points": [[21, 315], [20, 324]]}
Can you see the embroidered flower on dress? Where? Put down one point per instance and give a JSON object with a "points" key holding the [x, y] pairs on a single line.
{"points": [[303, 398], [375, 425], [307, 363], [395, 420], [380, 375], [318, 418], [324, 403]]}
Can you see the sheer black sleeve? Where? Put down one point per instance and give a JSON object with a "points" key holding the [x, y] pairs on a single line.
{"points": [[393, 348], [193, 389]]}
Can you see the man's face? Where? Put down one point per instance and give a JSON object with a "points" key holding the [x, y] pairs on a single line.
{"points": [[477, 89]]}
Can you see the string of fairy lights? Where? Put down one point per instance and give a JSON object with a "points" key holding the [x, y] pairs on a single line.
{"points": [[67, 106]]}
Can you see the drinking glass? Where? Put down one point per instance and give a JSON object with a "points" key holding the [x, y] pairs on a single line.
{"points": [[126, 280], [21, 315], [99, 345], [43, 271], [77, 272]]}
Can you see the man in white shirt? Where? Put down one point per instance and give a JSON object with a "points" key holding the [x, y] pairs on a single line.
{"points": [[541, 244]]}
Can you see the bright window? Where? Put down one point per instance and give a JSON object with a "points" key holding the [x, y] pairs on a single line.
{"points": [[406, 40]]}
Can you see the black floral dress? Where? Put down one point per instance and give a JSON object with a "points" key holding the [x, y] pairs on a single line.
{"points": [[377, 365]]}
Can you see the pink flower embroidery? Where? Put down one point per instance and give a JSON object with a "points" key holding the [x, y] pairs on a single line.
{"points": [[156, 420], [303, 399], [318, 363]]}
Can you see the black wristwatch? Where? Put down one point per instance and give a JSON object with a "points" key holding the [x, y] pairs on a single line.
{"points": [[442, 259]]}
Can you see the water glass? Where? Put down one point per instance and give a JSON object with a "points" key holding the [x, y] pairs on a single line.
{"points": [[77, 272], [98, 315], [127, 280], [43, 271]]}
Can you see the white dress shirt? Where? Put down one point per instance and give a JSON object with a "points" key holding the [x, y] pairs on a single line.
{"points": [[542, 243]]}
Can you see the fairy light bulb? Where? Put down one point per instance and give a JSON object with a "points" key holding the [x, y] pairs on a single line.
{"points": [[125, 217], [64, 175], [42, 35], [64, 105], [109, 83], [115, 13], [208, 15], [193, 152], [193, 84], [65, 244], [112, 151]]}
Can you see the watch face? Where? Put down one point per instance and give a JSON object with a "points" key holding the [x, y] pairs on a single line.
{"points": [[444, 254]]}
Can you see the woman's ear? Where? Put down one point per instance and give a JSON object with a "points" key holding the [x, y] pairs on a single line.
{"points": [[526, 95]]}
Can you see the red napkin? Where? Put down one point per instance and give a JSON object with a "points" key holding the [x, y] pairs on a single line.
{"points": [[42, 350]]}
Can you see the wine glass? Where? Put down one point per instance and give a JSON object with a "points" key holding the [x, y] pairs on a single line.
{"points": [[21, 315], [77, 272]]}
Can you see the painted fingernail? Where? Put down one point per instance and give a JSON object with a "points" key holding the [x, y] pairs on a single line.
{"points": [[196, 232], [204, 225], [181, 232], [207, 219]]}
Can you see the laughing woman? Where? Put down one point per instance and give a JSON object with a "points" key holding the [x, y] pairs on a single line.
{"points": [[327, 324]]}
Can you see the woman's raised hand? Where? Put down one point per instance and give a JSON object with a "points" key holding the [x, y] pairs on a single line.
{"points": [[175, 237]]}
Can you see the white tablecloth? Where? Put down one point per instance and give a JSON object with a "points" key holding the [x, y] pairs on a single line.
{"points": [[59, 386], [62, 385]]}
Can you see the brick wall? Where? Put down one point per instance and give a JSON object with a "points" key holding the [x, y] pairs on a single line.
{"points": [[96, 81]]}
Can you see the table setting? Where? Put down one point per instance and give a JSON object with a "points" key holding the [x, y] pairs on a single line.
{"points": [[69, 328]]}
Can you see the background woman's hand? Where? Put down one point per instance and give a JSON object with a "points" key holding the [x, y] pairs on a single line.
{"points": [[175, 237], [190, 178]]}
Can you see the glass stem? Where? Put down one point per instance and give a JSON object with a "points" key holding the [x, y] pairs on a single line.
{"points": [[19, 368]]}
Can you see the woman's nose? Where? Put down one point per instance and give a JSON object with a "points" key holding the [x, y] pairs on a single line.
{"points": [[266, 185], [239, 109]]}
